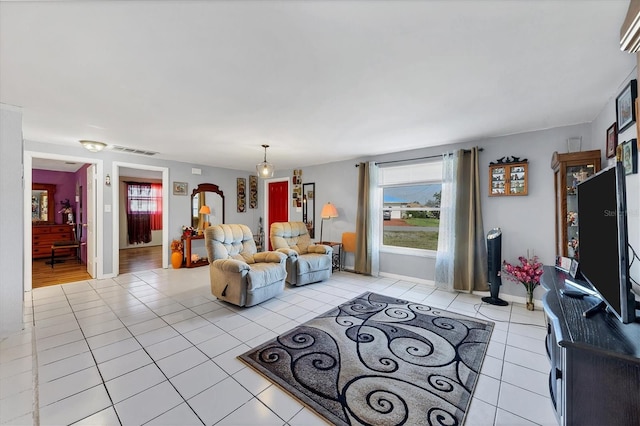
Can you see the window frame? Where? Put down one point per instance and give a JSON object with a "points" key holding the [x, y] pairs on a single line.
{"points": [[383, 248]]}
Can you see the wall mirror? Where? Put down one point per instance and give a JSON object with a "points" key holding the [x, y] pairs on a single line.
{"points": [[309, 207], [207, 206], [43, 203]]}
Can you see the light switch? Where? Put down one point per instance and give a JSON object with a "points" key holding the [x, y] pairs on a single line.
{"points": [[107, 208]]}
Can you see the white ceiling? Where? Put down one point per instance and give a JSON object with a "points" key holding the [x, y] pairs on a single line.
{"points": [[208, 82]]}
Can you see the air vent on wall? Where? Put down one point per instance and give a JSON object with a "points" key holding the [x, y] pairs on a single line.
{"points": [[132, 150]]}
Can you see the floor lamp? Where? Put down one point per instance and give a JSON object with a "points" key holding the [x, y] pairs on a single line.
{"points": [[328, 211]]}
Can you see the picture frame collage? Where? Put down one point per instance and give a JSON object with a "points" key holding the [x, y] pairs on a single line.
{"points": [[627, 106], [297, 188]]}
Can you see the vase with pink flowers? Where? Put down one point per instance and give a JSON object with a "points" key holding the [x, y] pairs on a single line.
{"points": [[528, 273]]}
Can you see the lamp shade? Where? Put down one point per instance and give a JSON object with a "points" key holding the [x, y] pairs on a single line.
{"points": [[329, 211], [205, 210], [93, 146]]}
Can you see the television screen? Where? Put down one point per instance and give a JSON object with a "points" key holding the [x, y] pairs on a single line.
{"points": [[602, 231]]}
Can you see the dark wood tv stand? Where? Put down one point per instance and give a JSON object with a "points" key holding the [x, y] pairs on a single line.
{"points": [[595, 362]]}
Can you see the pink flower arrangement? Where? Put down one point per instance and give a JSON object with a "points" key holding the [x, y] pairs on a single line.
{"points": [[528, 272]]}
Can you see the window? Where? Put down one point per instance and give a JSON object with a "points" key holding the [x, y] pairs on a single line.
{"points": [[411, 206], [146, 199]]}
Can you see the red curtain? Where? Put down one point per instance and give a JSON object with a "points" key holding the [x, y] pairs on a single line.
{"points": [[156, 215], [144, 211]]}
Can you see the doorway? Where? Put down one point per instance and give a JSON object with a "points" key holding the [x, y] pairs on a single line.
{"points": [[149, 257], [276, 206], [49, 161]]}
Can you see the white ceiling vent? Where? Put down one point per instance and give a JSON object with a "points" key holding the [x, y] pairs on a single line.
{"points": [[132, 150]]}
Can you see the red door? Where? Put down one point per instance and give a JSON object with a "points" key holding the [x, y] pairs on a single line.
{"points": [[278, 210]]}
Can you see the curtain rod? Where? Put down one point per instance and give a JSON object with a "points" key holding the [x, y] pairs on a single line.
{"points": [[419, 158]]}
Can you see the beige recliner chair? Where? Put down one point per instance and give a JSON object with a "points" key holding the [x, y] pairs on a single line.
{"points": [[306, 262], [238, 273]]}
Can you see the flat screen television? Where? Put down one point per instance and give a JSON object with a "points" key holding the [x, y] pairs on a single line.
{"points": [[603, 240]]}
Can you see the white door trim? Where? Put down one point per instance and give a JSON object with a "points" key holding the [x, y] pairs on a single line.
{"points": [[28, 181], [115, 184]]}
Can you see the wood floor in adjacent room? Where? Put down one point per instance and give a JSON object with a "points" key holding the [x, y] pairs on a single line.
{"points": [[131, 260], [140, 259]]}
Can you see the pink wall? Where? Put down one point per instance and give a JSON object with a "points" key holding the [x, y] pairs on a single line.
{"points": [[65, 183]]}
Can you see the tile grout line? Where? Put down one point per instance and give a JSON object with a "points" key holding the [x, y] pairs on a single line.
{"points": [[150, 357]]}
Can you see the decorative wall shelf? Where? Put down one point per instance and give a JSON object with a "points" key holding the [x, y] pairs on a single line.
{"points": [[506, 179]]}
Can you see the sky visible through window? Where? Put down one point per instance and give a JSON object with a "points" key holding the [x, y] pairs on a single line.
{"points": [[411, 193]]}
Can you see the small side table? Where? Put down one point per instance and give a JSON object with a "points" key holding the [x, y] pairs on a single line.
{"points": [[187, 249], [336, 262]]}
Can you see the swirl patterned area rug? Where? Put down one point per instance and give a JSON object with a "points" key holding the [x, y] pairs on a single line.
{"points": [[377, 360]]}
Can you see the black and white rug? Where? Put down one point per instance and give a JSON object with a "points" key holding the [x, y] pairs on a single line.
{"points": [[378, 360]]}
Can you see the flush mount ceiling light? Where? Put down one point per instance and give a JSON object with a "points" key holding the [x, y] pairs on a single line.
{"points": [[93, 146], [265, 169]]}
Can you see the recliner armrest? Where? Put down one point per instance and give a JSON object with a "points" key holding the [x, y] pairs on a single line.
{"points": [[270, 257], [320, 248], [288, 252], [231, 265]]}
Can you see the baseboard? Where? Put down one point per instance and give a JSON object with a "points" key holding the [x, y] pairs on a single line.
{"points": [[407, 278]]}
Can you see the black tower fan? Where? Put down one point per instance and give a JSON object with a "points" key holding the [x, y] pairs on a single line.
{"points": [[494, 259]]}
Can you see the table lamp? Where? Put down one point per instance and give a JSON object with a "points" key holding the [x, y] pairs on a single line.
{"points": [[204, 210]]}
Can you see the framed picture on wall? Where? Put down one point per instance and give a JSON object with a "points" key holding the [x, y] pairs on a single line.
{"points": [[630, 156], [612, 140], [253, 192], [626, 106], [241, 185], [179, 188]]}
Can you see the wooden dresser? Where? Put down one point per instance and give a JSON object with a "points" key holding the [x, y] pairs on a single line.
{"points": [[43, 236]]}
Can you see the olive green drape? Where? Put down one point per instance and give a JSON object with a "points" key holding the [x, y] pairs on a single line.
{"points": [[470, 251], [461, 261], [367, 255]]}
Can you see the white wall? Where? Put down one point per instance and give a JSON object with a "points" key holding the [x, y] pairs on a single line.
{"points": [[11, 220]]}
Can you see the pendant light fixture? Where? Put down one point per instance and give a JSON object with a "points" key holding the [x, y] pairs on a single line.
{"points": [[265, 169]]}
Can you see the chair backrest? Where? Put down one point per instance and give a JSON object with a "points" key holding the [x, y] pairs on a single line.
{"points": [[349, 242], [291, 235], [230, 241]]}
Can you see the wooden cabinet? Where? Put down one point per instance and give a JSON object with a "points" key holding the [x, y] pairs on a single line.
{"points": [[595, 361], [570, 169], [508, 179], [43, 236]]}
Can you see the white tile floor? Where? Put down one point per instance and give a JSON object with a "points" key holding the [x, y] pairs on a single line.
{"points": [[157, 348]]}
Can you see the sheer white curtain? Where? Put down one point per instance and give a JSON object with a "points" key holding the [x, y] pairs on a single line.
{"points": [[447, 232]]}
